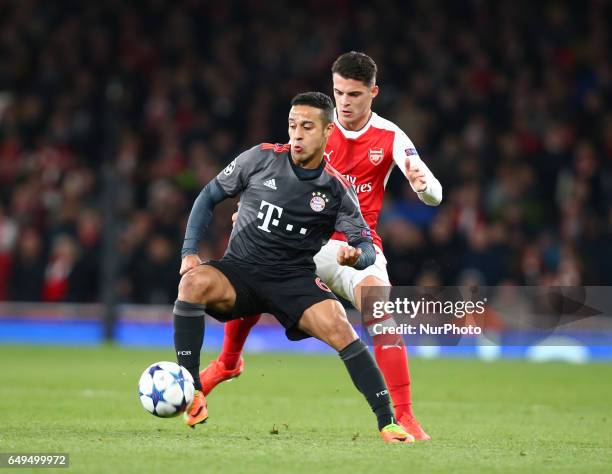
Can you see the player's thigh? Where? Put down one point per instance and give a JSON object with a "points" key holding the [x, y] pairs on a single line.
{"points": [[207, 285], [344, 280], [326, 260], [327, 321], [337, 277], [375, 276]]}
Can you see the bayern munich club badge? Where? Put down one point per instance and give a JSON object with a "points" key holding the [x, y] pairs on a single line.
{"points": [[318, 200]]}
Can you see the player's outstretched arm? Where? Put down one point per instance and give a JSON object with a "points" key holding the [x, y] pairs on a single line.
{"points": [[199, 220], [423, 181], [420, 177], [228, 183]]}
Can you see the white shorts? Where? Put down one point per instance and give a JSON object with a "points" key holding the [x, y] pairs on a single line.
{"points": [[342, 279]]}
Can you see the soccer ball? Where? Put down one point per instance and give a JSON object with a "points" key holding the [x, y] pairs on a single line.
{"points": [[165, 389]]}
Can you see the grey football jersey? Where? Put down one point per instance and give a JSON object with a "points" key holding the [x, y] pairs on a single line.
{"points": [[282, 219]]}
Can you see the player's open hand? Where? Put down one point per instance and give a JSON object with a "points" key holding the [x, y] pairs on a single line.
{"points": [[235, 216], [416, 177], [189, 262], [348, 255]]}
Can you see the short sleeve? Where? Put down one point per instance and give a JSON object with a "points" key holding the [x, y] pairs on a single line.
{"points": [[235, 176]]}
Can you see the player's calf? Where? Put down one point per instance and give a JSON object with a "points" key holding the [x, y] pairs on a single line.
{"points": [[327, 321], [189, 336], [200, 288], [368, 380]]}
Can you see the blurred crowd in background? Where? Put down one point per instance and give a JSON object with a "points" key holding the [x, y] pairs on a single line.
{"points": [[142, 103]]}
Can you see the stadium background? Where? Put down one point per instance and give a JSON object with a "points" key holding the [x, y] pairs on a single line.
{"points": [[509, 104], [114, 114]]}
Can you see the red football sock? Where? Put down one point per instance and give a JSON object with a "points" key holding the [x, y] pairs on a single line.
{"points": [[236, 333], [393, 363]]}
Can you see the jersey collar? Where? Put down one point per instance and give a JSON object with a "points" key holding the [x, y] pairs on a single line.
{"points": [[306, 174], [353, 134]]}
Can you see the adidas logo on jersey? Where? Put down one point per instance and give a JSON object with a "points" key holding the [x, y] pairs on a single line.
{"points": [[271, 183]]}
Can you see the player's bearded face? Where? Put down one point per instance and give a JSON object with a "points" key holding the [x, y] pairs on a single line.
{"points": [[353, 100], [308, 134]]}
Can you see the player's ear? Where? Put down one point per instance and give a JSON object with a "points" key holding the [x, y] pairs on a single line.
{"points": [[374, 90], [329, 128]]}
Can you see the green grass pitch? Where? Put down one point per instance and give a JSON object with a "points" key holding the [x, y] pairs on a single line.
{"points": [[296, 413]]}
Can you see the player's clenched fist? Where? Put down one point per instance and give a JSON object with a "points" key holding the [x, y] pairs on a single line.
{"points": [[416, 178], [189, 262], [348, 255]]}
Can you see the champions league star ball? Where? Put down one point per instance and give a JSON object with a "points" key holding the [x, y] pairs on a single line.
{"points": [[165, 389]]}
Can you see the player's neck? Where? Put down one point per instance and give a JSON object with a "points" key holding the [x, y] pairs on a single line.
{"points": [[304, 173], [358, 124], [312, 163]]}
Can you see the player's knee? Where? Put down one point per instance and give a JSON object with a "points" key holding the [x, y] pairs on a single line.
{"points": [[193, 286], [340, 332], [371, 287], [372, 280]]}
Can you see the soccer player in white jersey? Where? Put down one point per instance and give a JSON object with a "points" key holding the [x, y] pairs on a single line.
{"points": [[365, 148]]}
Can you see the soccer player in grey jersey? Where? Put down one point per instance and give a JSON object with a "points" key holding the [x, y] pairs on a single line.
{"points": [[291, 202], [287, 211]]}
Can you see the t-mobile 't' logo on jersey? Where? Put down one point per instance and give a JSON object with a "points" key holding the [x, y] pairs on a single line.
{"points": [[269, 216]]}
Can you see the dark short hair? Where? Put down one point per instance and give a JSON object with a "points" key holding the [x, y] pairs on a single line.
{"points": [[356, 65], [317, 100]]}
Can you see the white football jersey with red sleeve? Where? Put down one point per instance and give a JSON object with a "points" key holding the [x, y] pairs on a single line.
{"points": [[366, 158]]}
